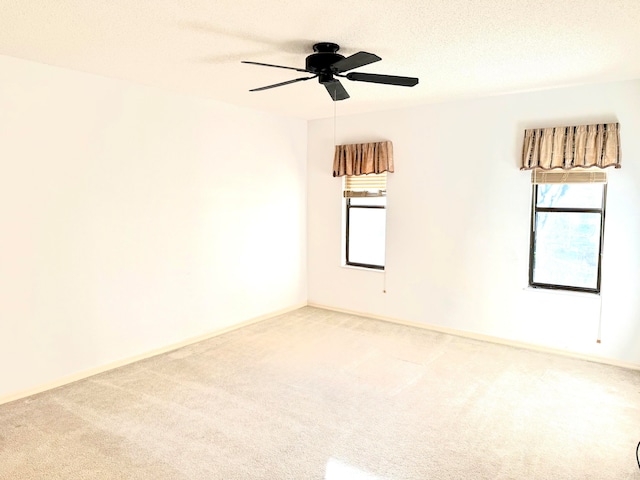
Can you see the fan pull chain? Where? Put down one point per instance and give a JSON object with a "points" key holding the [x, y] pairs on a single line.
{"points": [[335, 95]]}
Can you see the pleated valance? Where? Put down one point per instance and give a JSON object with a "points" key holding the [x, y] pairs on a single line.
{"points": [[571, 147], [363, 158]]}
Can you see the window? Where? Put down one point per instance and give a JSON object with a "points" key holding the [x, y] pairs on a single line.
{"points": [[365, 220], [567, 232]]}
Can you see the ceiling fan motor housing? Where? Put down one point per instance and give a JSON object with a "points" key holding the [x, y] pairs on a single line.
{"points": [[321, 61]]}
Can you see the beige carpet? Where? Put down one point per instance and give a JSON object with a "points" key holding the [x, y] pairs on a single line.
{"points": [[320, 395]]}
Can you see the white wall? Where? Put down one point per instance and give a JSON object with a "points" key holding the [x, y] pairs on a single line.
{"points": [[134, 218], [130, 221], [458, 222]]}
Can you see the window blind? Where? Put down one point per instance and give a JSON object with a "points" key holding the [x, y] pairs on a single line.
{"points": [[568, 176], [372, 185]]}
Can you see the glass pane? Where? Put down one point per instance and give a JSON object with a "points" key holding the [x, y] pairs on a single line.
{"points": [[376, 201], [566, 249], [570, 195], [366, 235]]}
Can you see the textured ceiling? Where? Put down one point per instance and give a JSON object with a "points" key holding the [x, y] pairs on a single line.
{"points": [[458, 48]]}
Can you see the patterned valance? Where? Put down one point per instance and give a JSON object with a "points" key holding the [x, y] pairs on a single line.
{"points": [[363, 158], [570, 147]]}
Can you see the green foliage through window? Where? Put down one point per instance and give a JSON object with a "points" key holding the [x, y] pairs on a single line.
{"points": [[566, 236]]}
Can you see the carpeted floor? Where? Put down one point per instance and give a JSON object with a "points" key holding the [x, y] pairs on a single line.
{"points": [[315, 394]]}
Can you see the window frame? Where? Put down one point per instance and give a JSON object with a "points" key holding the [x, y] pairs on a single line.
{"points": [[532, 241], [347, 228]]}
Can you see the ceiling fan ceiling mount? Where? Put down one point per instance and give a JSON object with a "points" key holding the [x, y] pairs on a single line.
{"points": [[327, 62], [326, 47]]}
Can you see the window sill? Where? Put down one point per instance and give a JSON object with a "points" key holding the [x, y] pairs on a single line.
{"points": [[558, 291], [363, 269]]}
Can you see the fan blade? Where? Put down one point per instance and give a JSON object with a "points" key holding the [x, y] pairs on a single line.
{"points": [[336, 90], [276, 66], [385, 79], [356, 60], [282, 83]]}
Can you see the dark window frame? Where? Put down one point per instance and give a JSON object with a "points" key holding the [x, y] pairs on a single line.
{"points": [[532, 247], [348, 223]]}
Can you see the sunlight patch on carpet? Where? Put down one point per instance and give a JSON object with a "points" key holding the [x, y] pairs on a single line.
{"points": [[337, 470]]}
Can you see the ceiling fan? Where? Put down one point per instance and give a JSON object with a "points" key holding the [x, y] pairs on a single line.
{"points": [[326, 64]]}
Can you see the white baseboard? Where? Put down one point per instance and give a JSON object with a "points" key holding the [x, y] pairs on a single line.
{"points": [[487, 338], [152, 353], [451, 331]]}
